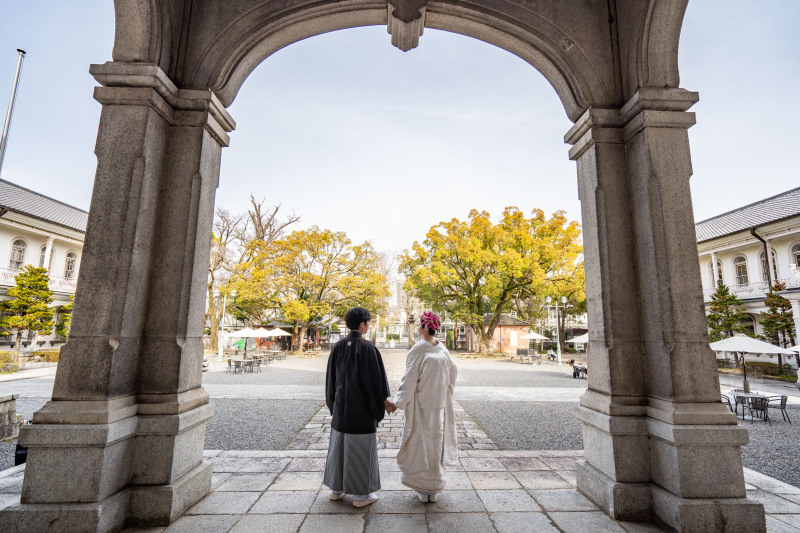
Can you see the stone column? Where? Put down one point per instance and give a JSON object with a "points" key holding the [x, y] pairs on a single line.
{"points": [[616, 473], [677, 438], [714, 270], [48, 250], [121, 440]]}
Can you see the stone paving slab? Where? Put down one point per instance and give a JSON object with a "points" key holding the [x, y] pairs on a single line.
{"points": [[270, 491], [315, 435]]}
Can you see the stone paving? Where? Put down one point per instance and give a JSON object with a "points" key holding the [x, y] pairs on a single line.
{"points": [[316, 433], [503, 491]]}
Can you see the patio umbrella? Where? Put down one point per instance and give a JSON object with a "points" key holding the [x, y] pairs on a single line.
{"points": [[534, 337], [744, 344], [582, 339], [278, 333], [794, 348], [245, 333]]}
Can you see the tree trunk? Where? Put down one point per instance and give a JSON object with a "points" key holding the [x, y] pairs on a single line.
{"points": [[562, 333], [18, 341], [410, 334], [213, 318], [486, 339], [301, 337]]}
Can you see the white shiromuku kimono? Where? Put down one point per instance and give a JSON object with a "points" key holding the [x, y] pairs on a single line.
{"points": [[429, 440]]}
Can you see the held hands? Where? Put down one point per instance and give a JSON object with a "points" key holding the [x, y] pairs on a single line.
{"points": [[390, 406]]}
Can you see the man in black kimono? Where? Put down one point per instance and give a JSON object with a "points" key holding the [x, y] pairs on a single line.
{"points": [[356, 390]]}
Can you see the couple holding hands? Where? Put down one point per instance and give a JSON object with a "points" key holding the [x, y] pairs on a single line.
{"points": [[357, 394]]}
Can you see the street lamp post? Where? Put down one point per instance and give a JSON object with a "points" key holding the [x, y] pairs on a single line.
{"points": [[563, 305], [222, 325]]}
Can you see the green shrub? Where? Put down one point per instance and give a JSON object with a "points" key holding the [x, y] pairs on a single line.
{"points": [[8, 362], [46, 356], [724, 363], [771, 369]]}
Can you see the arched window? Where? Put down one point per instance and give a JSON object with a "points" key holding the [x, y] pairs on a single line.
{"points": [[765, 267], [42, 254], [69, 266], [719, 272], [796, 255], [17, 255], [740, 266], [750, 323]]}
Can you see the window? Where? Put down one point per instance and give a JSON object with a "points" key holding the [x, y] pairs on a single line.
{"points": [[719, 272], [17, 255], [740, 266], [796, 255], [765, 267], [42, 254], [69, 267], [750, 323]]}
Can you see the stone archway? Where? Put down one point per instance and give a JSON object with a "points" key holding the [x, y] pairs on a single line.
{"points": [[121, 441]]}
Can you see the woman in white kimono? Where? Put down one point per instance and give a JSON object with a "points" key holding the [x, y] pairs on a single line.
{"points": [[429, 441]]}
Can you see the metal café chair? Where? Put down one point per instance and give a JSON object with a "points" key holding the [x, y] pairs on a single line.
{"points": [[779, 402], [230, 366], [256, 365], [737, 401], [759, 406], [727, 400]]}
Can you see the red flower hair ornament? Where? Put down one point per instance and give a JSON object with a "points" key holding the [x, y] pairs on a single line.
{"points": [[430, 320]]}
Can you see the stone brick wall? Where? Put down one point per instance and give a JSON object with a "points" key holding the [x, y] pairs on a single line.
{"points": [[9, 425]]}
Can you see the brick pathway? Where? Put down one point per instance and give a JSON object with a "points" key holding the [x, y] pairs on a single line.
{"points": [[316, 433]]}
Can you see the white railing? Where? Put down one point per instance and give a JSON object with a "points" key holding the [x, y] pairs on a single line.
{"points": [[757, 289], [57, 283]]}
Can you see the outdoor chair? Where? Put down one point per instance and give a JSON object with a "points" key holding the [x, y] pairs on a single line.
{"points": [[727, 400], [230, 366], [256, 365], [737, 401], [759, 407], [779, 402]]}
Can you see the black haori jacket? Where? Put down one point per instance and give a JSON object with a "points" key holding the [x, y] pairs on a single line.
{"points": [[356, 385]]}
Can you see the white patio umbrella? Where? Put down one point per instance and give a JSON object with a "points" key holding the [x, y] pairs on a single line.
{"points": [[794, 348], [275, 332], [245, 333], [534, 336], [743, 344], [582, 339]]}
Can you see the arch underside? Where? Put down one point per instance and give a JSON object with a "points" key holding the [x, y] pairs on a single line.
{"points": [[573, 43]]}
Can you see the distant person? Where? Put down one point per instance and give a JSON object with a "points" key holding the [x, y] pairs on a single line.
{"points": [[429, 442], [356, 390]]}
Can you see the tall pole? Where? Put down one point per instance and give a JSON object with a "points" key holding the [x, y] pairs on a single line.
{"points": [[558, 336], [10, 111]]}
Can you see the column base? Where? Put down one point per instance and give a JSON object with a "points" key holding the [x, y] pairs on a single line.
{"points": [[96, 517], [702, 515], [160, 505], [621, 501]]}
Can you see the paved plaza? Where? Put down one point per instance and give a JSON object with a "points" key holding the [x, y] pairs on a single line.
{"points": [[518, 436]]}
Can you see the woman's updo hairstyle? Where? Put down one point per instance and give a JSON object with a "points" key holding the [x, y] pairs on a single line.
{"points": [[430, 321]]}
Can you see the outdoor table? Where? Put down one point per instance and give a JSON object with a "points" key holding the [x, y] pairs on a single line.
{"points": [[244, 364], [747, 396]]}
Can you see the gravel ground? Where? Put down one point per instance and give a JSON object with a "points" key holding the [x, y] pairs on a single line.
{"points": [[522, 378], [528, 425], [272, 375], [553, 426], [773, 449], [257, 424]]}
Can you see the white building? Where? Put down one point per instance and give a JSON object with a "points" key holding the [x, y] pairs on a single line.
{"points": [[751, 247], [40, 231]]}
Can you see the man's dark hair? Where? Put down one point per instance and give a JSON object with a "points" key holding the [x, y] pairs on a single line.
{"points": [[356, 316]]}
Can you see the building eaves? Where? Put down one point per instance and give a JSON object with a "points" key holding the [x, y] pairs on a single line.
{"points": [[773, 209], [27, 202]]}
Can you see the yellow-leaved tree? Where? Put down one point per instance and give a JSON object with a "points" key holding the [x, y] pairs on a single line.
{"points": [[476, 269], [313, 273]]}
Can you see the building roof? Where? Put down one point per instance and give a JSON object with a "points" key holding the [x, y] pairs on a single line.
{"points": [[773, 209], [505, 320], [21, 200]]}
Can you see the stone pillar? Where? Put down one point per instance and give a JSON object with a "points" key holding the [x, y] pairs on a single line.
{"points": [[121, 441], [671, 450], [714, 270], [48, 250], [616, 473]]}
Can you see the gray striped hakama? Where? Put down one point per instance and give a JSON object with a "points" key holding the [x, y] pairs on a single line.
{"points": [[352, 465]]}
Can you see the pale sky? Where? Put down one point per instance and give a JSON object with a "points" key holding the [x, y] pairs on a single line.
{"points": [[354, 135]]}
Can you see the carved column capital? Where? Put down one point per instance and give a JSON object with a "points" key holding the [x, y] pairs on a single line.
{"points": [[146, 84]]}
